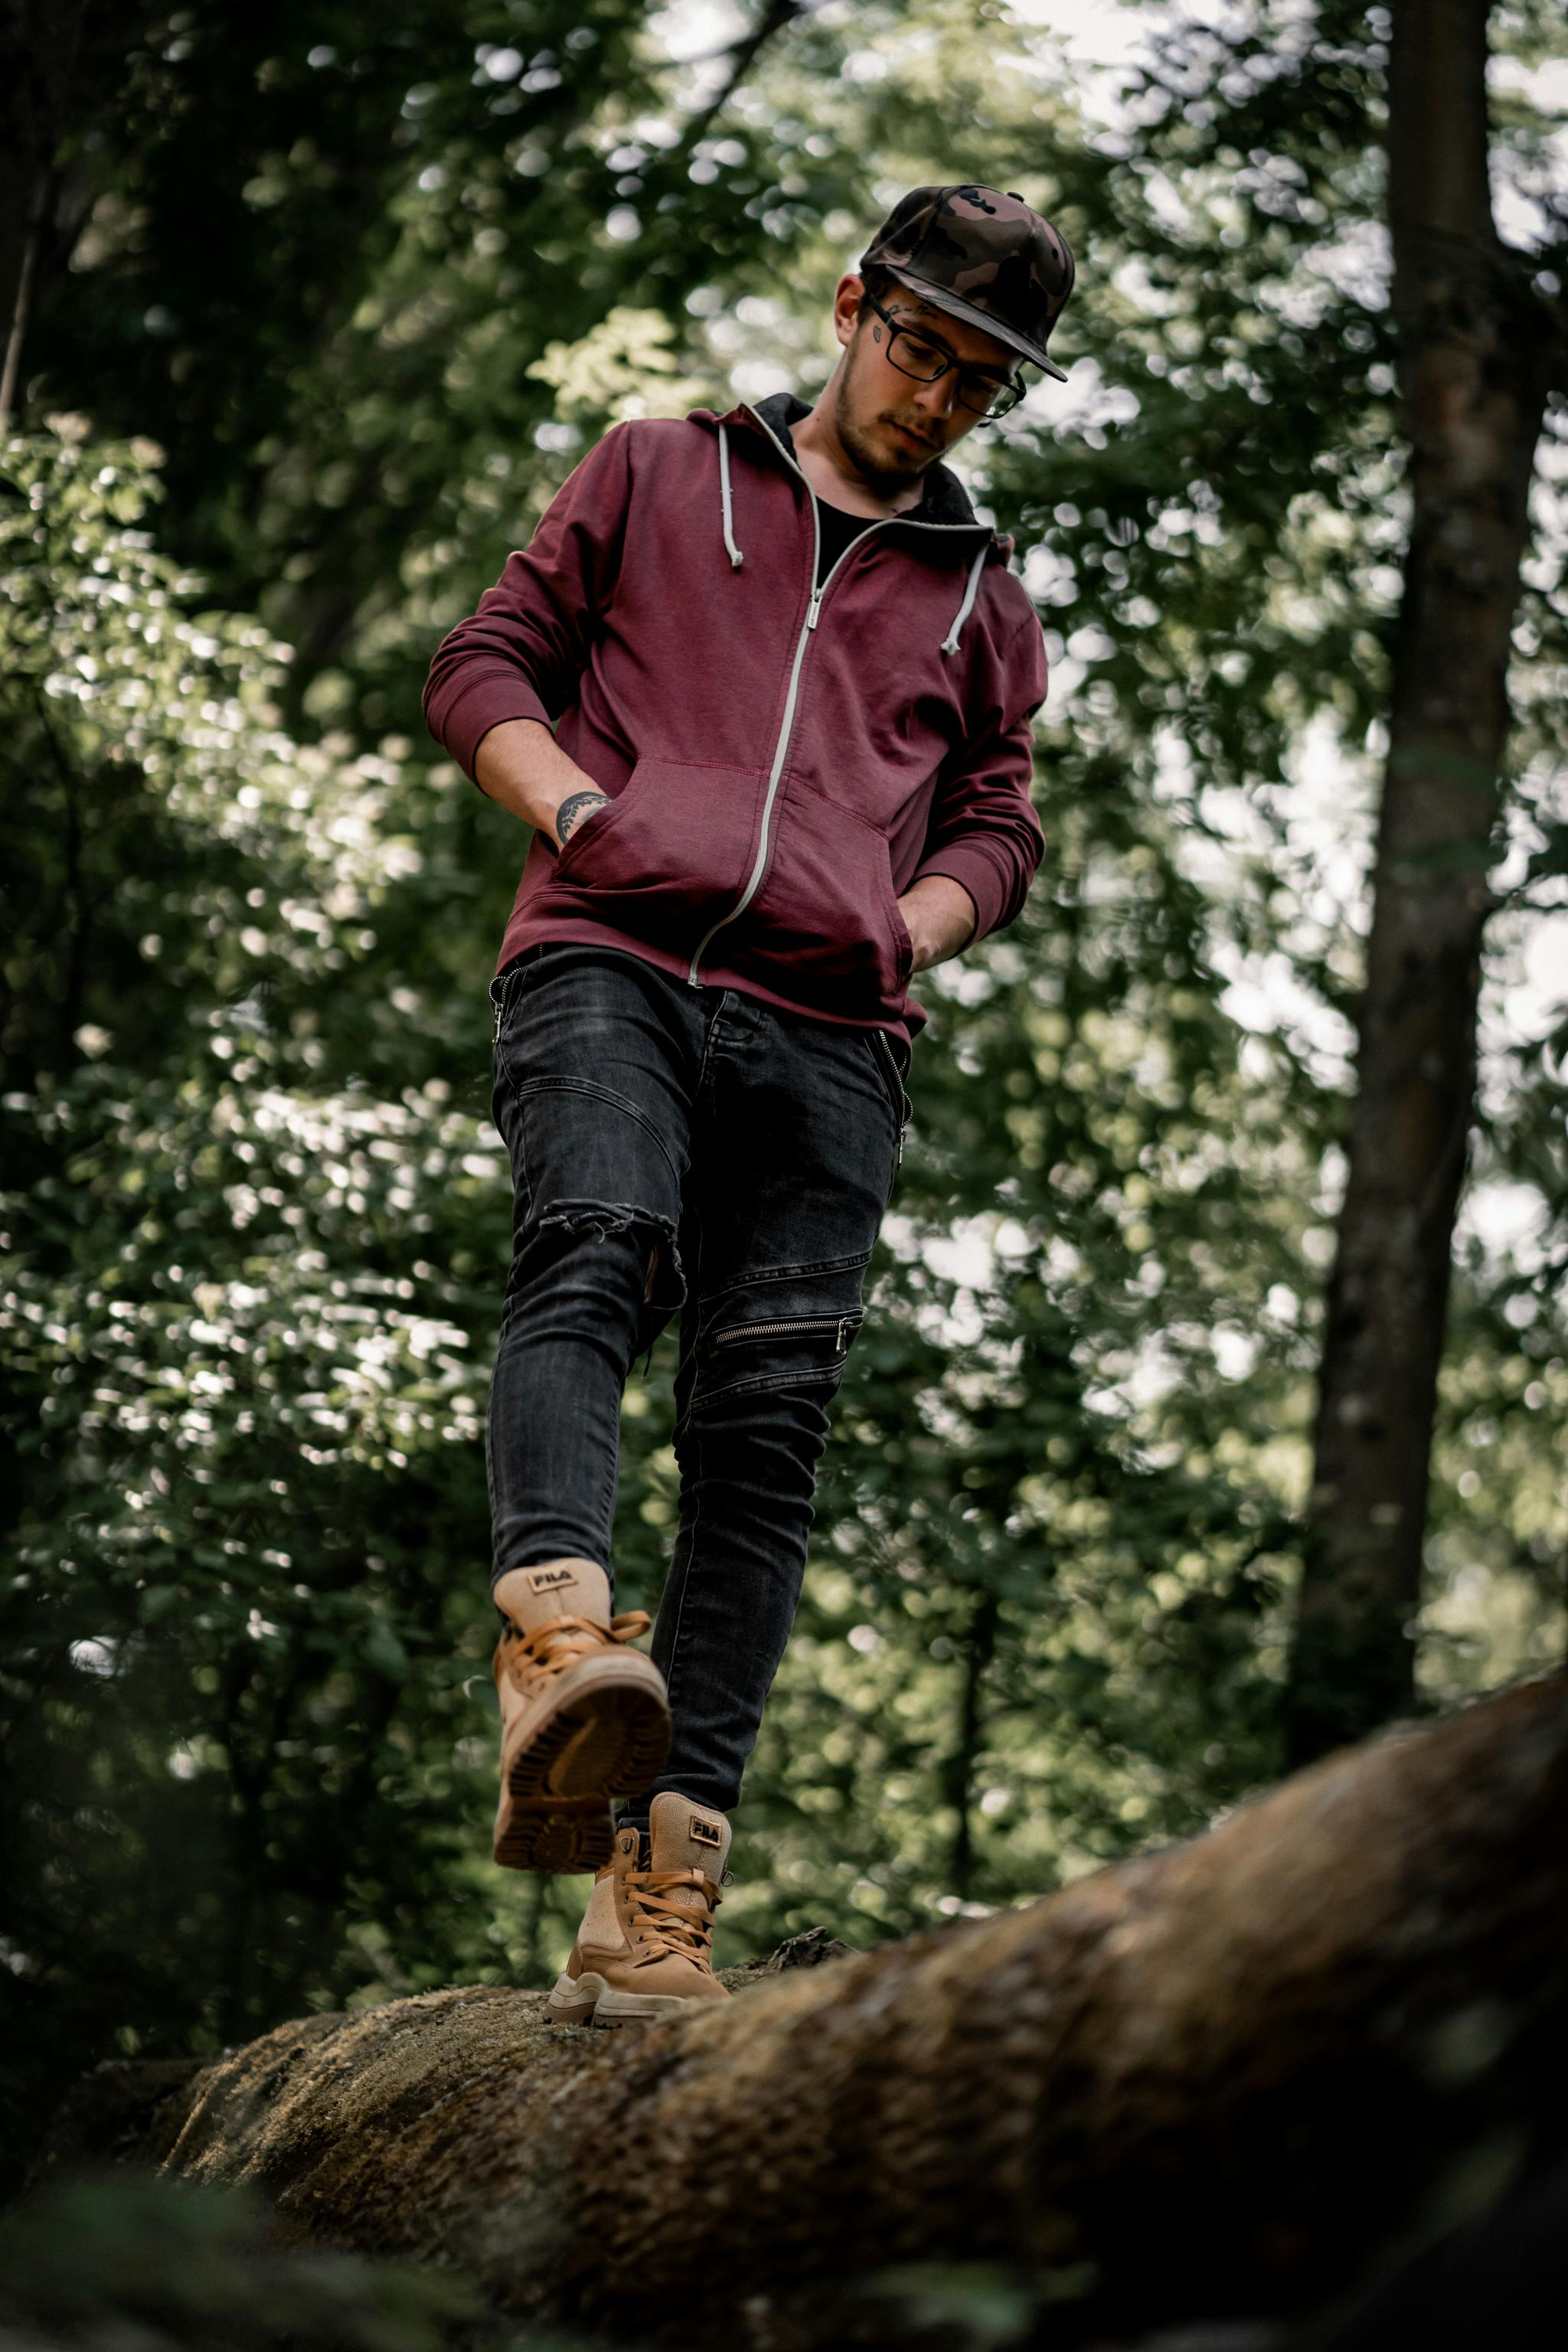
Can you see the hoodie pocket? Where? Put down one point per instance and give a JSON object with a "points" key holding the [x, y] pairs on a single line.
{"points": [[829, 909], [669, 855]]}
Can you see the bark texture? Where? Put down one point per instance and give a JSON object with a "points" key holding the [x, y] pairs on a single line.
{"points": [[1223, 2078], [1474, 353], [37, 49]]}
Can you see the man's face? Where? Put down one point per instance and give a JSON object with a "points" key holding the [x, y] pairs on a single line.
{"points": [[893, 427]]}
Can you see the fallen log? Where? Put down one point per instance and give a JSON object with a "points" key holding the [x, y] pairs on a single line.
{"points": [[1232, 2076]]}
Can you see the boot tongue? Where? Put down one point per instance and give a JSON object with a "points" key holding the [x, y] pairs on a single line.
{"points": [[533, 1597], [684, 1836]]}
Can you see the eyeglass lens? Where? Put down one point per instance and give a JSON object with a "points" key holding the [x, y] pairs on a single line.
{"points": [[913, 356]]}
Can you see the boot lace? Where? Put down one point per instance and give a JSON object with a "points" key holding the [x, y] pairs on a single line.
{"points": [[660, 1923], [557, 1643]]}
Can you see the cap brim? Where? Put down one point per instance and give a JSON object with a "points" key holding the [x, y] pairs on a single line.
{"points": [[956, 308]]}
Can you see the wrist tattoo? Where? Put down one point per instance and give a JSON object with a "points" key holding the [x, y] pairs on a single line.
{"points": [[574, 809]]}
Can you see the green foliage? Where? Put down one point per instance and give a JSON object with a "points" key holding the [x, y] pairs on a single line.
{"points": [[978, 2306], [256, 1216], [230, 1678], [124, 2260], [400, 208]]}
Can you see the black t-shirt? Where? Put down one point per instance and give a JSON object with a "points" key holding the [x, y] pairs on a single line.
{"points": [[837, 530]]}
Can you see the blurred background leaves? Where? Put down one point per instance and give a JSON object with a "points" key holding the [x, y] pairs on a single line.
{"points": [[112, 2263]]}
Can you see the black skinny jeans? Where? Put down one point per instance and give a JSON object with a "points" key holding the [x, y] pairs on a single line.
{"points": [[682, 1148]]}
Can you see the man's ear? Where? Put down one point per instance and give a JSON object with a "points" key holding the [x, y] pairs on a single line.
{"points": [[847, 306]]}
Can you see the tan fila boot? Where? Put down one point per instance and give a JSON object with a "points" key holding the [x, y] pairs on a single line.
{"points": [[584, 1716], [645, 1947]]}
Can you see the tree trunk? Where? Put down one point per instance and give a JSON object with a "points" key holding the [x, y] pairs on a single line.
{"points": [[977, 1651], [1225, 2078], [37, 48], [1473, 348]]}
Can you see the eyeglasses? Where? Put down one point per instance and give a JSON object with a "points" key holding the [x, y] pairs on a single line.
{"points": [[927, 360]]}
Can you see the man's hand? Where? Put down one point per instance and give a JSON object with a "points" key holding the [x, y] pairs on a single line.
{"points": [[519, 764], [940, 916]]}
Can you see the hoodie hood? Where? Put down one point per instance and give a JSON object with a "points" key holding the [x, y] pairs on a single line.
{"points": [[944, 509], [944, 500]]}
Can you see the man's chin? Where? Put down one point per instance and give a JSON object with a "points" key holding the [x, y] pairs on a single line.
{"points": [[888, 456]]}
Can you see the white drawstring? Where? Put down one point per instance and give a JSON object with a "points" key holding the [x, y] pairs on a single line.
{"points": [[950, 643], [735, 556]]}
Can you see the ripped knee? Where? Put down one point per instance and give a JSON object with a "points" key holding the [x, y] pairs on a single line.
{"points": [[664, 1283]]}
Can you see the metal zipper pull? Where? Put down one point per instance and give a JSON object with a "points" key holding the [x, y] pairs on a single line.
{"points": [[814, 607], [791, 1326]]}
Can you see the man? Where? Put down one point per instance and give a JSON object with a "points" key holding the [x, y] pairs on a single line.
{"points": [[763, 686]]}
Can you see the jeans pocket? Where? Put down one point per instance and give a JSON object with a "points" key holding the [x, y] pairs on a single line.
{"points": [[501, 987], [512, 978]]}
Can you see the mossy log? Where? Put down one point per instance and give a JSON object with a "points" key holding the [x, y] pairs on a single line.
{"points": [[1232, 2076]]}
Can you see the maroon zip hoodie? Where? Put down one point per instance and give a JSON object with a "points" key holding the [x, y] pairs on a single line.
{"points": [[784, 761]]}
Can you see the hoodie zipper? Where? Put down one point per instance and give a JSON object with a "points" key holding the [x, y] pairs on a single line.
{"points": [[786, 725]]}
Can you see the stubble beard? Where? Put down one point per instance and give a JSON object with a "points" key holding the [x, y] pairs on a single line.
{"points": [[870, 453]]}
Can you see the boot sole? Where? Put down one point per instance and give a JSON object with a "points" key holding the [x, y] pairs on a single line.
{"points": [[591, 1999], [611, 1741], [577, 1835]]}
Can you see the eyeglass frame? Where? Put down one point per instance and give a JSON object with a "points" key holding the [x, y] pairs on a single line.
{"points": [[898, 327]]}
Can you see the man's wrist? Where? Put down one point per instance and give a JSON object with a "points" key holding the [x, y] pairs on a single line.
{"points": [[571, 811], [941, 918]]}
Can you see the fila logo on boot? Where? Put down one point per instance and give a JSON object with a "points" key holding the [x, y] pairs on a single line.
{"points": [[704, 1832], [548, 1580]]}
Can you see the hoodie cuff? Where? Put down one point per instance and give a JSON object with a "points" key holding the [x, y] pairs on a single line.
{"points": [[974, 870], [488, 702]]}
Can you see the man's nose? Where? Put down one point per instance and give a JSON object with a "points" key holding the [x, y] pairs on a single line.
{"points": [[938, 398]]}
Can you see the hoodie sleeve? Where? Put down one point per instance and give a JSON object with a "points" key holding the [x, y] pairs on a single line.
{"points": [[983, 833], [522, 653]]}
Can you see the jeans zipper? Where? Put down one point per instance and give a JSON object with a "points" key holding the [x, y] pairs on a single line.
{"points": [[786, 725], [902, 1105], [788, 1329]]}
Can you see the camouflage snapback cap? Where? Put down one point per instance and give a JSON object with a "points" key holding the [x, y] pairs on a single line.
{"points": [[983, 256]]}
